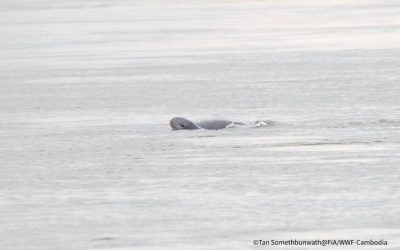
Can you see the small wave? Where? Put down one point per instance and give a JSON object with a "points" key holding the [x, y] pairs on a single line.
{"points": [[338, 143], [104, 239], [257, 124], [390, 122], [380, 122], [267, 123], [351, 124]]}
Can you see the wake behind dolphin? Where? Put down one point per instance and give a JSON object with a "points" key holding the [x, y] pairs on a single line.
{"points": [[183, 123]]}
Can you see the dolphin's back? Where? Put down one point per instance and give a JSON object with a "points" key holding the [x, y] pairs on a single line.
{"points": [[214, 124]]}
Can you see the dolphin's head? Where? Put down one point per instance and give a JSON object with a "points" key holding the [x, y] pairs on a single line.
{"points": [[182, 123]]}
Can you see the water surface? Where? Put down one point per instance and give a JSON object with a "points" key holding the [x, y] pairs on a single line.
{"points": [[88, 160]]}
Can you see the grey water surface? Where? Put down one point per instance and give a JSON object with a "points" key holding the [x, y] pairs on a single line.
{"points": [[88, 160]]}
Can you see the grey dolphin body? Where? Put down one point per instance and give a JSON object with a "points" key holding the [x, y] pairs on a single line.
{"points": [[182, 123]]}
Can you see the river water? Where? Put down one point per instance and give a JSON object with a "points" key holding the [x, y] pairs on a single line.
{"points": [[88, 160]]}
